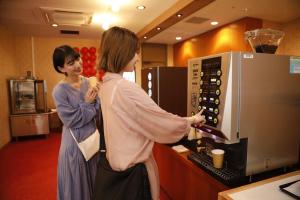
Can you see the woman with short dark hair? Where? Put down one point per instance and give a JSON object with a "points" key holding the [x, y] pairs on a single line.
{"points": [[77, 104]]}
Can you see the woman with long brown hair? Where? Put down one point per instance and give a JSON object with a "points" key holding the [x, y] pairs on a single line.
{"points": [[132, 120]]}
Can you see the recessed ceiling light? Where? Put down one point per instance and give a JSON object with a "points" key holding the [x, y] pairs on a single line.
{"points": [[178, 38], [105, 25], [141, 7], [115, 7], [54, 25], [158, 28], [179, 15], [145, 37], [214, 23]]}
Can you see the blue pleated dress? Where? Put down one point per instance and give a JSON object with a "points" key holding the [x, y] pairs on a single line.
{"points": [[76, 177]]}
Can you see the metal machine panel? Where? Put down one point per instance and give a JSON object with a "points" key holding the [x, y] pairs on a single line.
{"points": [[224, 105], [258, 101], [269, 111]]}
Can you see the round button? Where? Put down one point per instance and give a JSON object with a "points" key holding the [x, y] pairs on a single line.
{"points": [[200, 91], [217, 92], [219, 72], [217, 101], [199, 108], [218, 82], [215, 120], [201, 74], [216, 111], [200, 99], [201, 82]]}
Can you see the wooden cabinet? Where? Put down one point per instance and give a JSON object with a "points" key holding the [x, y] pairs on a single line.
{"points": [[55, 124], [29, 124], [180, 179]]}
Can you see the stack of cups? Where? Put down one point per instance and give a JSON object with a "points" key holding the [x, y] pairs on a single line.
{"points": [[218, 157]]}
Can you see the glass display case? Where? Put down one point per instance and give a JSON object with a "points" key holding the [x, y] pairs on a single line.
{"points": [[28, 107], [27, 96]]}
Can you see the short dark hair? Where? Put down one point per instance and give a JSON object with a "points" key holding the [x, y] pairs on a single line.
{"points": [[61, 54], [118, 46]]}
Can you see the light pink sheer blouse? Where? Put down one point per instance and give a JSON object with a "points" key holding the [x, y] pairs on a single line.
{"points": [[132, 123]]}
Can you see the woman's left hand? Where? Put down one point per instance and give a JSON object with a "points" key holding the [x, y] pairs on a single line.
{"points": [[92, 93]]}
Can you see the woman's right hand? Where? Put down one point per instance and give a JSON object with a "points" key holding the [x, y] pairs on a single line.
{"points": [[197, 119]]}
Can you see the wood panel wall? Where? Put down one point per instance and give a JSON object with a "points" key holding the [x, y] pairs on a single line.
{"points": [[229, 37], [290, 44], [8, 70], [20, 54], [43, 50], [154, 55]]}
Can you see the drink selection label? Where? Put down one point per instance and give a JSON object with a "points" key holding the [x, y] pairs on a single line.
{"points": [[295, 65]]}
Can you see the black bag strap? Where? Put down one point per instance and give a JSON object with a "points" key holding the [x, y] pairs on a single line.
{"points": [[100, 126], [132, 183]]}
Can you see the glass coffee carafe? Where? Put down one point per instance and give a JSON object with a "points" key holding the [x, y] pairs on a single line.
{"points": [[264, 40]]}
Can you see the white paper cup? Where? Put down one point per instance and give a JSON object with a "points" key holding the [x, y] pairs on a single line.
{"points": [[218, 157], [93, 81]]}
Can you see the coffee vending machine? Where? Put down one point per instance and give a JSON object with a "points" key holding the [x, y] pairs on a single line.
{"points": [[251, 102]]}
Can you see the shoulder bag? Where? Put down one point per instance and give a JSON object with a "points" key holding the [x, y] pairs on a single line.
{"points": [[130, 184], [90, 146]]}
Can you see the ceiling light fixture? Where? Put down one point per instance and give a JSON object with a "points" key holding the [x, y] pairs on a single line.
{"points": [[141, 7], [158, 28], [214, 23], [54, 25], [178, 38], [115, 7], [179, 15], [97, 18], [145, 37], [104, 19], [105, 25]]}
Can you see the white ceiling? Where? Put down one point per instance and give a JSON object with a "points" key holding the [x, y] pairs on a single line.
{"points": [[25, 17], [226, 11]]}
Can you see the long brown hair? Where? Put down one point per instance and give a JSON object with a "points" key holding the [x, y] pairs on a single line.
{"points": [[118, 46]]}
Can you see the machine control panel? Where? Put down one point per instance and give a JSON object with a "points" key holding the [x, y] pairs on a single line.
{"points": [[209, 92]]}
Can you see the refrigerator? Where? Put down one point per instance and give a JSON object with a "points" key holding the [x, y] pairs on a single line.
{"points": [[167, 86]]}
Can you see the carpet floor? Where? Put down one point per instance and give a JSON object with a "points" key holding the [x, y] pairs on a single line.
{"points": [[28, 168]]}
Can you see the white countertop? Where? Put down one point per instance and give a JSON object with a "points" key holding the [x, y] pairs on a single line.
{"points": [[263, 190], [266, 191]]}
